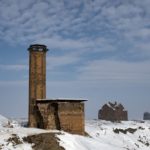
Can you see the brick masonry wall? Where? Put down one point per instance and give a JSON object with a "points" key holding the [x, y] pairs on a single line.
{"points": [[72, 117], [37, 83], [63, 116]]}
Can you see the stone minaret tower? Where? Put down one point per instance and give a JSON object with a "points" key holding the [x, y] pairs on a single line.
{"points": [[37, 79]]}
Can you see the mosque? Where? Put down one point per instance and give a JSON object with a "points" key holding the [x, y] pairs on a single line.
{"points": [[60, 114]]}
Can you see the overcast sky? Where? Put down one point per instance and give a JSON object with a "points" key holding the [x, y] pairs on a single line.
{"points": [[98, 50]]}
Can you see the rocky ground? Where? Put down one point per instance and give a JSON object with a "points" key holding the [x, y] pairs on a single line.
{"points": [[44, 141]]}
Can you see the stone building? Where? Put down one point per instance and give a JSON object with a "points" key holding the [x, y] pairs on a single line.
{"points": [[146, 116], [112, 112], [60, 114]]}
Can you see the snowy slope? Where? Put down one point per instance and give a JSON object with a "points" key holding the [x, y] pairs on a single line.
{"points": [[10, 129], [127, 135], [102, 136]]}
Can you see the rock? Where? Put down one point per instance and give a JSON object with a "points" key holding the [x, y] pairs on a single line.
{"points": [[44, 141]]}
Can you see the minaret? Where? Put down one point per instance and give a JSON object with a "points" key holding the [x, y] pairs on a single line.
{"points": [[37, 79]]}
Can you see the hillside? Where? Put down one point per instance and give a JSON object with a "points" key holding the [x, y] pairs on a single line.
{"points": [[127, 135]]}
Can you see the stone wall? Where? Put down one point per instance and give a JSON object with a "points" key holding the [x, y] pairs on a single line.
{"points": [[72, 117], [67, 116]]}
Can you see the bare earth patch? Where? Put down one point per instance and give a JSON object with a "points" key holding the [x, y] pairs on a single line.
{"points": [[44, 141]]}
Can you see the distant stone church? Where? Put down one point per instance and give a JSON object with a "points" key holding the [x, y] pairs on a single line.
{"points": [[60, 114], [113, 112]]}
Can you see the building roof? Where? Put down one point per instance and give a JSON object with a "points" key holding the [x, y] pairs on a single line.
{"points": [[113, 105], [59, 100]]}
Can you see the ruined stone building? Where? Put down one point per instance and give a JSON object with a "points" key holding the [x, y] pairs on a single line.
{"points": [[146, 116], [112, 112], [60, 114]]}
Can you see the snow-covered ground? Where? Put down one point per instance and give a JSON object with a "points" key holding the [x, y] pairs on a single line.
{"points": [[127, 135], [10, 129], [102, 135]]}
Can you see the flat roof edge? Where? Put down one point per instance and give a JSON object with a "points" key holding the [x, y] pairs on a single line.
{"points": [[59, 100]]}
